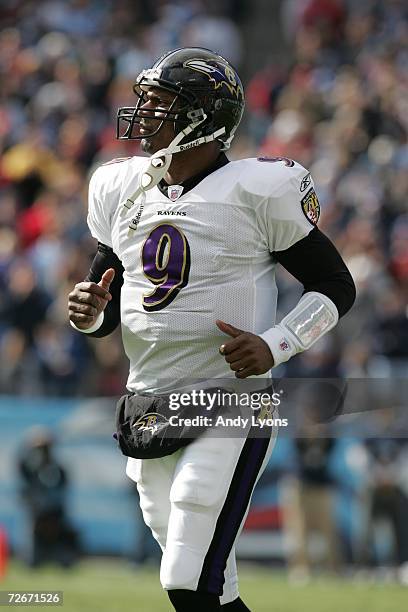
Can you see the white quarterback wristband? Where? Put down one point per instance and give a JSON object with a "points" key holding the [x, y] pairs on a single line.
{"points": [[312, 317], [94, 327]]}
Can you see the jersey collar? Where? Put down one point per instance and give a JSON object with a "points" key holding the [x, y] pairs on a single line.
{"points": [[222, 160]]}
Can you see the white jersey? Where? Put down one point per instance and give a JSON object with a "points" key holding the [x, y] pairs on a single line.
{"points": [[202, 257]]}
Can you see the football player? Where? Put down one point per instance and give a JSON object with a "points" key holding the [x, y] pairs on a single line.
{"points": [[188, 243]]}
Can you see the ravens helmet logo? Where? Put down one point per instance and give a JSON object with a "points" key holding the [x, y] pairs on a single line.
{"points": [[217, 76]]}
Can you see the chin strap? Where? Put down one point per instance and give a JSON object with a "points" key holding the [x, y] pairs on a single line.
{"points": [[157, 166]]}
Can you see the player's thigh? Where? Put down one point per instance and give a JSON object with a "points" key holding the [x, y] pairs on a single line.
{"points": [[204, 471], [207, 468], [153, 478]]}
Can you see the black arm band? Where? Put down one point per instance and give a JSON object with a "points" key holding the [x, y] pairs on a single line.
{"points": [[104, 259], [316, 263]]}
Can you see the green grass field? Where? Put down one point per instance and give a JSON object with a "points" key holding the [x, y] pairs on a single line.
{"points": [[114, 586]]}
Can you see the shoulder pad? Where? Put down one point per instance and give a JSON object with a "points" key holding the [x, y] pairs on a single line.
{"points": [[109, 177], [270, 176]]}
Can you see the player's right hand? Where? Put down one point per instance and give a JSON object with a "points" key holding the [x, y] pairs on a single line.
{"points": [[87, 300]]}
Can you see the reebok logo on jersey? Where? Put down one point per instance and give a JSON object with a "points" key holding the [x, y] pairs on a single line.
{"points": [[306, 181], [174, 213]]}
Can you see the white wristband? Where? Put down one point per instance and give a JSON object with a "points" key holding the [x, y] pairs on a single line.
{"points": [[280, 344], [312, 317], [93, 327]]}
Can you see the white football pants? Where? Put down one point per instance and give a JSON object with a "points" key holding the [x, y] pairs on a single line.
{"points": [[195, 503]]}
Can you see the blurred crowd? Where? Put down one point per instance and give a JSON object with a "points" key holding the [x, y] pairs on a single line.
{"points": [[336, 101], [65, 66], [340, 108]]}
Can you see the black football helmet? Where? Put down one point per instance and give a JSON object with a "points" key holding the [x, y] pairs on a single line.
{"points": [[208, 91]]}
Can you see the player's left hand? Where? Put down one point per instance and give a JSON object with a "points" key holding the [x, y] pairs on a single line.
{"points": [[247, 353]]}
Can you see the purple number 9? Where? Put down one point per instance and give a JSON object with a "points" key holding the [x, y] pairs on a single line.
{"points": [[166, 263]]}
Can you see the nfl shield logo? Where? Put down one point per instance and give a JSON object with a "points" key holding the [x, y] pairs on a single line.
{"points": [[174, 192], [283, 345]]}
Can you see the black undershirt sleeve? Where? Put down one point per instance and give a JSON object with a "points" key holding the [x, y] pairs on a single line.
{"points": [[316, 263], [105, 258]]}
